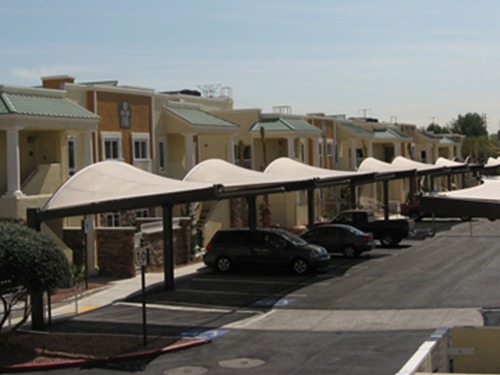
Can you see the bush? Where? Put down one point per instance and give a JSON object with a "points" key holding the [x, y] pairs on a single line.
{"points": [[29, 262]]}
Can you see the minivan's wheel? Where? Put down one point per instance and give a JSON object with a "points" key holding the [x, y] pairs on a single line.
{"points": [[223, 264], [300, 266], [350, 251], [387, 239]]}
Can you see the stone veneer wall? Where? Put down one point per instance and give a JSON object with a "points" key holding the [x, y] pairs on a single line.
{"points": [[116, 253], [181, 245]]}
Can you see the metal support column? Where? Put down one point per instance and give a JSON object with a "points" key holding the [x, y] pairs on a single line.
{"points": [[168, 248], [310, 208], [252, 211]]}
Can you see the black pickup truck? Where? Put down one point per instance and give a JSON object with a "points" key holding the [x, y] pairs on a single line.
{"points": [[388, 232]]}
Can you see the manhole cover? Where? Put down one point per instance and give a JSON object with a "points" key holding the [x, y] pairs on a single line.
{"points": [[186, 370], [241, 363]]}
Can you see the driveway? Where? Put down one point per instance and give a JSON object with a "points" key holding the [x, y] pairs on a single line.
{"points": [[362, 316]]}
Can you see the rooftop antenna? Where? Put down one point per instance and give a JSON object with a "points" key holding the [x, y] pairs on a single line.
{"points": [[209, 90], [365, 111], [433, 120]]}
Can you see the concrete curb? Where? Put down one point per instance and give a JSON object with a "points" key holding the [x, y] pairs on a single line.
{"points": [[179, 345]]}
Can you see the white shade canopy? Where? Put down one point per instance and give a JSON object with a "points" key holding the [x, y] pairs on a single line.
{"points": [[492, 162], [113, 180], [222, 172], [488, 190], [478, 201], [447, 163], [374, 165], [404, 163], [295, 169]]}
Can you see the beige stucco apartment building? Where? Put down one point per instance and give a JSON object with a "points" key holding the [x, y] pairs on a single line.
{"points": [[51, 132]]}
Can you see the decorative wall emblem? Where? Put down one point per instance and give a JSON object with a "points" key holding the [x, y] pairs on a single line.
{"points": [[124, 113]]}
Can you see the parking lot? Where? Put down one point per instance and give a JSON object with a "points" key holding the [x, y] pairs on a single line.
{"points": [[360, 316]]}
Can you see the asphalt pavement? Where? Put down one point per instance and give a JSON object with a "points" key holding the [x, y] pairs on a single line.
{"points": [[362, 316]]}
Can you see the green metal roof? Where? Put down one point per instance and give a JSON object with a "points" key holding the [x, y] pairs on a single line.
{"points": [[428, 135], [200, 118], [3, 107], [355, 129], [388, 133], [48, 106], [285, 125], [447, 141]]}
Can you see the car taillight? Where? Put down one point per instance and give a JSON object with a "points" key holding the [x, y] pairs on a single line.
{"points": [[366, 238], [208, 247]]}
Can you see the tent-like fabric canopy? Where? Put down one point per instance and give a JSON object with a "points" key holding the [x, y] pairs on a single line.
{"points": [[478, 201], [294, 169], [231, 176], [404, 163], [374, 165], [492, 162], [100, 186], [447, 163]]}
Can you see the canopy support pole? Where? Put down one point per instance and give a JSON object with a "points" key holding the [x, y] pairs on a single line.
{"points": [[386, 199], [412, 189], [310, 208], [353, 195], [37, 306], [252, 211], [168, 248]]}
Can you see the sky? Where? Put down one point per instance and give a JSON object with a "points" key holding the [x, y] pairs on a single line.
{"points": [[406, 61]]}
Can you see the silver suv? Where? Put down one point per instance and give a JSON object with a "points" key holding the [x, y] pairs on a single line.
{"points": [[272, 247]]}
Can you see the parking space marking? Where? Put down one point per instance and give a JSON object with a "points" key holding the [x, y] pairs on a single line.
{"points": [[248, 281], [209, 335]]}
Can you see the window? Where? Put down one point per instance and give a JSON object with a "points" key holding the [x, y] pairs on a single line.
{"points": [[423, 156], [112, 145], [140, 149], [161, 155], [111, 149], [320, 153], [71, 156], [330, 154], [144, 212], [113, 219], [140, 144], [359, 156], [243, 156]]}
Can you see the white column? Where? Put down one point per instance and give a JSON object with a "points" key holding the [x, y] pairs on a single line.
{"points": [[13, 164], [370, 149], [88, 142], [316, 157], [397, 149], [428, 154], [353, 155], [189, 147], [231, 149], [291, 147]]}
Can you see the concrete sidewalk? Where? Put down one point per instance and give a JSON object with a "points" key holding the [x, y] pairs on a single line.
{"points": [[116, 291]]}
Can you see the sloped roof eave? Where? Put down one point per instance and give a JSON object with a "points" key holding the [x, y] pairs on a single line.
{"points": [[44, 106], [196, 119]]}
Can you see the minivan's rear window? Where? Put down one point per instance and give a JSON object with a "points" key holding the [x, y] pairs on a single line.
{"points": [[232, 237]]}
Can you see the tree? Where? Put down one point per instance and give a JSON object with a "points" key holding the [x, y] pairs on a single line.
{"points": [[476, 143], [30, 264], [436, 129], [470, 125], [479, 148]]}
